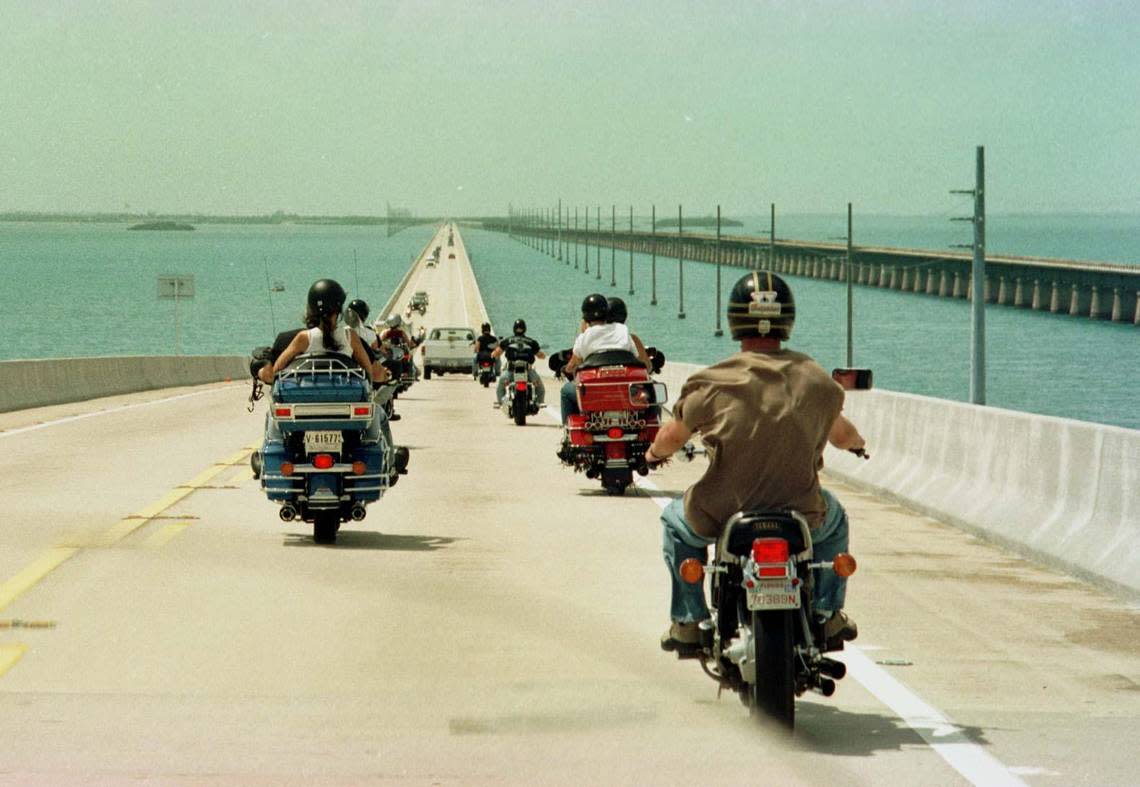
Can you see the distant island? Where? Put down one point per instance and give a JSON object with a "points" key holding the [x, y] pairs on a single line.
{"points": [[161, 225], [699, 221]]}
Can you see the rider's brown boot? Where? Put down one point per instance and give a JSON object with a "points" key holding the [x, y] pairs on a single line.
{"points": [[683, 638], [840, 628]]}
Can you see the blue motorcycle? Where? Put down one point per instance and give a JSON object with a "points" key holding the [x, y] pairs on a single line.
{"points": [[326, 455]]}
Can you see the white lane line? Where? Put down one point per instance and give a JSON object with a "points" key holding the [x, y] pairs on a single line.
{"points": [[969, 759], [946, 738], [108, 411]]}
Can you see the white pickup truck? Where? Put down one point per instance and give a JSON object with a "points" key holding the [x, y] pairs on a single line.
{"points": [[448, 350]]}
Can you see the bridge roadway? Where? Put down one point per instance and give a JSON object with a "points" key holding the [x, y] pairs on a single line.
{"points": [[493, 621]]}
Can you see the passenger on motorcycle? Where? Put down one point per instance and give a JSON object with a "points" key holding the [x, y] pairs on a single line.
{"points": [[325, 303], [518, 347], [484, 344], [396, 340], [598, 336], [765, 415]]}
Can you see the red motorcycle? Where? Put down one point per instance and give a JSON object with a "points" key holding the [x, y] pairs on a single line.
{"points": [[619, 417]]}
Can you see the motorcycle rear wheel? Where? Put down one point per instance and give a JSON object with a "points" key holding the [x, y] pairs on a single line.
{"points": [[520, 414], [615, 482], [774, 692], [325, 526], [427, 372]]}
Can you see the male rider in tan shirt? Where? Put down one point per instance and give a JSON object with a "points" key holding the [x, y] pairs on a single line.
{"points": [[764, 415]]}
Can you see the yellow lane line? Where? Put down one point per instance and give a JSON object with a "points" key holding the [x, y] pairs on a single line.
{"points": [[165, 535], [10, 653], [34, 572], [127, 526], [57, 556]]}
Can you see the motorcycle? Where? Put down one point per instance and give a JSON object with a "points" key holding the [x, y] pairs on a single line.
{"points": [[325, 457], [619, 416], [485, 369], [518, 400], [762, 640]]}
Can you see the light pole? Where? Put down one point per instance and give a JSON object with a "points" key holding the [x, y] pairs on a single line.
{"points": [[680, 267], [718, 331]]}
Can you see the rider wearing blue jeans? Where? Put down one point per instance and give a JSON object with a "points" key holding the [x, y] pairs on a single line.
{"points": [[765, 415]]}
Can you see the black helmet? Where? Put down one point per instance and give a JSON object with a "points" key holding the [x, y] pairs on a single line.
{"points": [[617, 311], [485, 327], [360, 307], [326, 297], [595, 308], [520, 327], [761, 305]]}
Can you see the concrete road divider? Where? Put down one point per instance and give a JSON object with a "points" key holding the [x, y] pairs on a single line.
{"points": [[1065, 492], [42, 382]]}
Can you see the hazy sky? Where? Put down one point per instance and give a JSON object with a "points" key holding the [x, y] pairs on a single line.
{"points": [[462, 107]]}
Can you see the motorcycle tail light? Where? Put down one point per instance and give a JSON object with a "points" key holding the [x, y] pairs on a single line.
{"points": [[520, 386], [286, 468], [283, 412], [770, 550], [615, 433], [362, 410], [692, 571], [844, 564], [323, 461], [358, 468]]}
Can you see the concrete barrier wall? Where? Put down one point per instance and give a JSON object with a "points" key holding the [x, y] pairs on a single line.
{"points": [[1064, 492], [37, 383]]}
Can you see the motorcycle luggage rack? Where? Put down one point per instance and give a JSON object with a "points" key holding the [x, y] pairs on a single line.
{"points": [[317, 365]]}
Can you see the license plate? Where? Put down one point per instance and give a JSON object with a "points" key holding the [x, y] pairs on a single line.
{"points": [[323, 442], [776, 594]]}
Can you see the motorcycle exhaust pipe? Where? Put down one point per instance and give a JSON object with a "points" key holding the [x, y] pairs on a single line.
{"points": [[358, 513], [833, 668], [826, 687], [287, 513], [643, 469]]}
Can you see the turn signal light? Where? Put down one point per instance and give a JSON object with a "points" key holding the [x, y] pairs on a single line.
{"points": [[770, 550], [844, 564], [520, 386], [286, 468], [283, 412], [323, 461], [615, 433], [358, 468], [692, 570]]}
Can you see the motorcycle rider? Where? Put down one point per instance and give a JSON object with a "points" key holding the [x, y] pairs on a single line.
{"points": [[484, 343], [324, 305], [765, 415], [520, 347], [598, 336], [617, 312], [356, 317]]}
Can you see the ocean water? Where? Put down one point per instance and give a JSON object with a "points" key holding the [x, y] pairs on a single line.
{"points": [[90, 289], [1036, 362]]}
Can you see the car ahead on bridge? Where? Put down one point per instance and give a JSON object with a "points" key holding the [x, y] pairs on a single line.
{"points": [[448, 350]]}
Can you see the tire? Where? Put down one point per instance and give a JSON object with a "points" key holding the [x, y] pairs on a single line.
{"points": [[520, 414], [325, 526], [485, 383], [427, 372], [774, 692], [615, 481]]}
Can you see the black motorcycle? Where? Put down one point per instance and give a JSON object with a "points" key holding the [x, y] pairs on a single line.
{"points": [[485, 368], [762, 640]]}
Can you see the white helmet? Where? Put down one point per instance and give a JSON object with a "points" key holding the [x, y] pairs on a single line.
{"points": [[395, 321]]}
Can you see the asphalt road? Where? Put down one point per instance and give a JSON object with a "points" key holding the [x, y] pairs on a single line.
{"points": [[494, 620]]}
